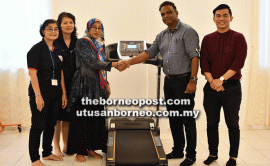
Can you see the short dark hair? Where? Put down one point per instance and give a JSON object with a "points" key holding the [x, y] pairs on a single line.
{"points": [[59, 20], [222, 6], [45, 24], [165, 3]]}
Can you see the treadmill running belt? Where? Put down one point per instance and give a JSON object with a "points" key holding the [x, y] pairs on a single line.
{"points": [[135, 147]]}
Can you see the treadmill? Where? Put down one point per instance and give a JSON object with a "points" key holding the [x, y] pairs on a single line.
{"points": [[134, 141]]}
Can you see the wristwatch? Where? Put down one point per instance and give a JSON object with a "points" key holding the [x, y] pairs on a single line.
{"points": [[194, 78], [222, 79]]}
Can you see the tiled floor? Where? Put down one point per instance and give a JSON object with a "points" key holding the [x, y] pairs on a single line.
{"points": [[254, 149]]}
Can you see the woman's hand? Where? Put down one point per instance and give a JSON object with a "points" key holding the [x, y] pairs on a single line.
{"points": [[39, 102], [64, 94], [34, 81], [109, 90], [64, 101]]}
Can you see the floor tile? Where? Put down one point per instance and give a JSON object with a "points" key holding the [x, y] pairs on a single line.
{"points": [[254, 149], [199, 162], [17, 145], [257, 165], [6, 139], [244, 146], [103, 163], [266, 153], [10, 158], [249, 134], [254, 157], [25, 160], [89, 161], [56, 163], [175, 162], [263, 133], [222, 160], [258, 143], [167, 146]]}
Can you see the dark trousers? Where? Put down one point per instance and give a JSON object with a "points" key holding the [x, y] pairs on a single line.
{"points": [[43, 121], [230, 100], [175, 89]]}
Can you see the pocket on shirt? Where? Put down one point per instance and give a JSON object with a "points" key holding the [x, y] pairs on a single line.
{"points": [[177, 46]]}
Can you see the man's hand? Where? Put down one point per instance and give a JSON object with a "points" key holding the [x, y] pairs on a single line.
{"points": [[191, 87], [218, 89], [212, 85], [217, 83], [123, 65]]}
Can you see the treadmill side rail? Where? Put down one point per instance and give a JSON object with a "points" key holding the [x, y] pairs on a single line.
{"points": [[111, 148], [159, 149]]}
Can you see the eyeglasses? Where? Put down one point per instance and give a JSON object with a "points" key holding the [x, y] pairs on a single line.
{"points": [[96, 28], [51, 30]]}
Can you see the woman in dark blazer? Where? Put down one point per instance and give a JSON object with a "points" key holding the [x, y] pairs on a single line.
{"points": [[66, 43]]}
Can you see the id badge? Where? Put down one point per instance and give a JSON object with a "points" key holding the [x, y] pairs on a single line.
{"points": [[54, 82]]}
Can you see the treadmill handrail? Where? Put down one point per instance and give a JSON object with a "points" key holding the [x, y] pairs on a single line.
{"points": [[157, 61]]}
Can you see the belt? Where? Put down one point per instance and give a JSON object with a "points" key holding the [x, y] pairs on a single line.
{"points": [[177, 75], [231, 82]]}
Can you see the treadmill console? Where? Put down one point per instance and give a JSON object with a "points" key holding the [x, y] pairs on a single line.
{"points": [[127, 48]]}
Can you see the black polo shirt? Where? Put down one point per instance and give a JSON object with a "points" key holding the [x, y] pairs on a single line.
{"points": [[41, 59]]}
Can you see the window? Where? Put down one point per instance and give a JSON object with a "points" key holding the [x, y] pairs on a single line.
{"points": [[264, 34], [19, 29]]}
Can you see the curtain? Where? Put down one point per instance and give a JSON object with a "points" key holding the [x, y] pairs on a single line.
{"points": [[19, 31], [259, 100]]}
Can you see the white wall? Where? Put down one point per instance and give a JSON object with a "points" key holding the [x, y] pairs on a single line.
{"points": [[140, 19]]}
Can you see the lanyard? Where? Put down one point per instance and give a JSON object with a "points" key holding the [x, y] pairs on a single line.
{"points": [[52, 61]]}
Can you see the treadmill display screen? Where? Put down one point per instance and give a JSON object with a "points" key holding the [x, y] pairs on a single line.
{"points": [[131, 46]]}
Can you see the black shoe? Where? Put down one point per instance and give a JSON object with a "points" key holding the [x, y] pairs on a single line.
{"points": [[188, 162], [174, 155], [209, 160], [231, 162]]}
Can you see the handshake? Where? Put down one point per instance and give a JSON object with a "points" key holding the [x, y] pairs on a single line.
{"points": [[122, 65]]}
